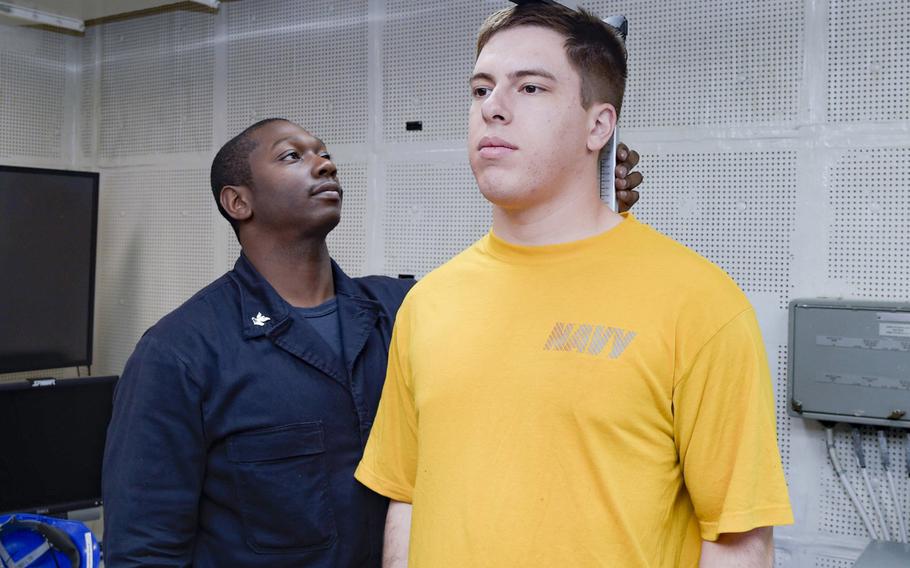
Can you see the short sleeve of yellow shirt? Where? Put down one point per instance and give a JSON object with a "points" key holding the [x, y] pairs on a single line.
{"points": [[724, 423], [535, 419]]}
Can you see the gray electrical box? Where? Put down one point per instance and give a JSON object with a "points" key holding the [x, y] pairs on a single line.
{"points": [[850, 361]]}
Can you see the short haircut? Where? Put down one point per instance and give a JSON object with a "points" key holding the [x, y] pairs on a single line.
{"points": [[594, 48], [231, 165]]}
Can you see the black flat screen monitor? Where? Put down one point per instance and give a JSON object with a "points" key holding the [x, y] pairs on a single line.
{"points": [[48, 223], [53, 444]]}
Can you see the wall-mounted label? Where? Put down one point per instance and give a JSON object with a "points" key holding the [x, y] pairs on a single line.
{"points": [[867, 381], [893, 316], [879, 344], [894, 329]]}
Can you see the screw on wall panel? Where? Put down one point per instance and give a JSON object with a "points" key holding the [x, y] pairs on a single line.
{"points": [[796, 405], [896, 415]]}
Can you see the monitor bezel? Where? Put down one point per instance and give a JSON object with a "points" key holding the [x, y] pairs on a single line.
{"points": [[29, 384], [87, 361]]}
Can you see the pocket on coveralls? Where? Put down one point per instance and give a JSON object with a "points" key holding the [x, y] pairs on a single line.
{"points": [[282, 487]]}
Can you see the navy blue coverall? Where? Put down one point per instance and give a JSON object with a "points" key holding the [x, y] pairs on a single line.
{"points": [[236, 431]]}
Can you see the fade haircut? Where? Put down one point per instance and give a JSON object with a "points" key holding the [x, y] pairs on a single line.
{"points": [[594, 48], [231, 165]]}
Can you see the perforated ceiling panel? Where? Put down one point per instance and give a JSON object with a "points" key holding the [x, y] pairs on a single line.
{"points": [[741, 216], [306, 60], [868, 75], [837, 515], [155, 250], [868, 245], [726, 63], [156, 84], [348, 241], [427, 57], [32, 77], [432, 212]]}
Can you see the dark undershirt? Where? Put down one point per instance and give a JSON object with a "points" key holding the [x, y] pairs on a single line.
{"points": [[324, 319]]}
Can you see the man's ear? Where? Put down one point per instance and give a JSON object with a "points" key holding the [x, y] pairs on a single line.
{"points": [[601, 124], [236, 200]]}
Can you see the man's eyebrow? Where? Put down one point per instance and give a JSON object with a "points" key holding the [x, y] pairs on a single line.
{"points": [[532, 73], [484, 76], [280, 140], [516, 75], [317, 142]]}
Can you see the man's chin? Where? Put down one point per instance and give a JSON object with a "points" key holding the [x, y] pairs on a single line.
{"points": [[324, 225], [503, 196]]}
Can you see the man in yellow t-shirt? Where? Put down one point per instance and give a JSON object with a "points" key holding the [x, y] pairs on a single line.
{"points": [[574, 389]]}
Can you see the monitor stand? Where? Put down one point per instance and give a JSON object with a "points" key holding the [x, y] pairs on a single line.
{"points": [[84, 515]]}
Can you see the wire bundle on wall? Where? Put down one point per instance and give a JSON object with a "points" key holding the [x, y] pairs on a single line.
{"points": [[883, 532]]}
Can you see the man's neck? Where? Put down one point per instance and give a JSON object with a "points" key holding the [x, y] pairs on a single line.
{"points": [[301, 272], [572, 217]]}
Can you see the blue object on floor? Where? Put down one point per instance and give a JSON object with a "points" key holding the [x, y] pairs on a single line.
{"points": [[36, 541]]}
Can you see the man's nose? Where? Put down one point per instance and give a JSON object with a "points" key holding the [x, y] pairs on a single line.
{"points": [[495, 108], [326, 168]]}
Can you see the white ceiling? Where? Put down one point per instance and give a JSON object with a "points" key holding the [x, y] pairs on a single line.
{"points": [[83, 9]]}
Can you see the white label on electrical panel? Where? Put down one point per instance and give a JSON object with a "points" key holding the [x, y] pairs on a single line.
{"points": [[894, 329], [866, 381], [893, 316], [881, 344]]}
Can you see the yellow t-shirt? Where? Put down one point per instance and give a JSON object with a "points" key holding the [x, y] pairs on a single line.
{"points": [[605, 402]]}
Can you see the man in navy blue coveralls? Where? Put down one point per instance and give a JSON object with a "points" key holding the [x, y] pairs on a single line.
{"points": [[241, 415]]}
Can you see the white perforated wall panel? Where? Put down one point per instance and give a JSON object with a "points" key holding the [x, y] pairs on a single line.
{"points": [[88, 119], [156, 84], [730, 63], [784, 421], [868, 75], [869, 197], [305, 60], [232, 250], [741, 216], [832, 562], [427, 57], [348, 242], [431, 212], [155, 249], [32, 78]]}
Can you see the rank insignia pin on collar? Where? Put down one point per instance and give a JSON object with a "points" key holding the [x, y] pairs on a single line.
{"points": [[260, 319]]}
